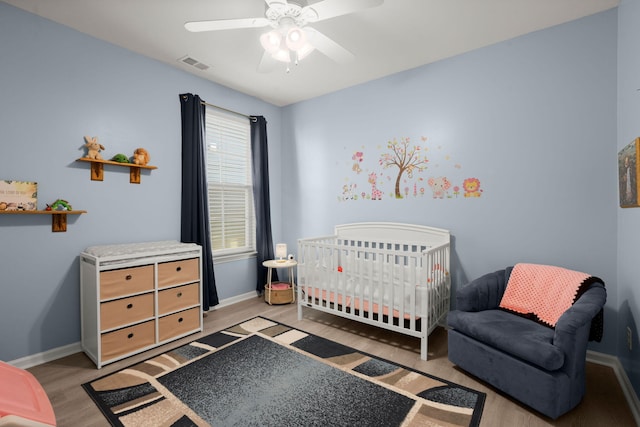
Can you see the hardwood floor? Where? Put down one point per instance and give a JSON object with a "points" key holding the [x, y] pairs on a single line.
{"points": [[603, 405]]}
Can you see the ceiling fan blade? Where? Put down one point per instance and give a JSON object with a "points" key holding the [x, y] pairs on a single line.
{"points": [[226, 24], [327, 46], [267, 63], [328, 9]]}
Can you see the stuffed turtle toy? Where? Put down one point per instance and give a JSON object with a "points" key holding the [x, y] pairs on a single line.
{"points": [[120, 158]]}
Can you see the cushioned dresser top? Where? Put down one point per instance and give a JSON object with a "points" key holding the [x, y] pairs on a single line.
{"points": [[140, 250]]}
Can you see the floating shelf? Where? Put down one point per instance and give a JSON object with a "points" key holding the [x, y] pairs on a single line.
{"points": [[58, 218], [97, 169]]}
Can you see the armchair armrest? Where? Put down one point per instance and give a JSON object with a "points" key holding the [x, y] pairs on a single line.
{"points": [[483, 293], [573, 328], [581, 313]]}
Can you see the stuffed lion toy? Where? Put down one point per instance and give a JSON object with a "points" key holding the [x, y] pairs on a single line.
{"points": [[141, 157]]}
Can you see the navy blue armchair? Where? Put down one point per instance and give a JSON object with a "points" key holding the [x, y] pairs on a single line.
{"points": [[542, 367]]}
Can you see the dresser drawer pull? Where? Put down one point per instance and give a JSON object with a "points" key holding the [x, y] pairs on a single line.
{"points": [[130, 335], [179, 294], [129, 306], [180, 320], [129, 277], [179, 269]]}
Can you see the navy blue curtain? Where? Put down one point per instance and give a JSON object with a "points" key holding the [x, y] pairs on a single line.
{"points": [[194, 206], [264, 240]]}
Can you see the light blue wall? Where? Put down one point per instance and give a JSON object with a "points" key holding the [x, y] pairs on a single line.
{"points": [[628, 304], [58, 85], [534, 119]]}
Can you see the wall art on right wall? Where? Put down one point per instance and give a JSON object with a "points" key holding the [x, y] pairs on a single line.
{"points": [[628, 163]]}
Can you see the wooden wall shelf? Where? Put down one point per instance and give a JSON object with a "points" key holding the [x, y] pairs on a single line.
{"points": [[58, 218], [97, 169]]}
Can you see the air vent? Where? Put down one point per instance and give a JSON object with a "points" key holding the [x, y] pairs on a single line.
{"points": [[194, 63]]}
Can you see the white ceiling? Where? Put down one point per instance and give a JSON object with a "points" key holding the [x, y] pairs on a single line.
{"points": [[396, 36]]}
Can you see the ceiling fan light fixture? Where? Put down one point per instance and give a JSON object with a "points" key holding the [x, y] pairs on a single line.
{"points": [[304, 51], [270, 41], [282, 55], [296, 38]]}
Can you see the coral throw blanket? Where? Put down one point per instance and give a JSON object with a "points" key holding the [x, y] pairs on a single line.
{"points": [[543, 292]]}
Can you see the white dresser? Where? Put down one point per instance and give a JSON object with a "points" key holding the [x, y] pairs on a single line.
{"points": [[135, 297]]}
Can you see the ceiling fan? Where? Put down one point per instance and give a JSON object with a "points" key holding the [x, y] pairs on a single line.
{"points": [[291, 39]]}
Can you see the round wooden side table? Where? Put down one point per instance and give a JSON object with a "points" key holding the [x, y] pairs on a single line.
{"points": [[280, 292]]}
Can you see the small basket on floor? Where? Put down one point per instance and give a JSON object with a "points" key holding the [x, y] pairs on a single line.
{"points": [[278, 293]]}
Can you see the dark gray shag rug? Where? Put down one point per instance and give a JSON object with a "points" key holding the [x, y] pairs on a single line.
{"points": [[264, 373]]}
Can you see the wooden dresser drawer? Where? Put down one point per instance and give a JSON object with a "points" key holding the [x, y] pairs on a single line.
{"points": [[126, 340], [178, 272], [126, 281], [179, 297], [124, 311], [178, 323]]}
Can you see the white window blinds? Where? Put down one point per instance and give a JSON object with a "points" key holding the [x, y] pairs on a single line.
{"points": [[231, 214]]}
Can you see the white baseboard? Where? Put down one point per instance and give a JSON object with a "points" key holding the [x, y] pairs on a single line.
{"points": [[67, 350], [233, 300], [47, 356], [629, 392]]}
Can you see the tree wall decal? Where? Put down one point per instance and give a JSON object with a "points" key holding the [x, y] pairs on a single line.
{"points": [[406, 159]]}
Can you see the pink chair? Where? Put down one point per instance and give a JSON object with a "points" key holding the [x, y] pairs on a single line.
{"points": [[23, 401]]}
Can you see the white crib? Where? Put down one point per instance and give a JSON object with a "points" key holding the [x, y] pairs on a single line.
{"points": [[391, 275]]}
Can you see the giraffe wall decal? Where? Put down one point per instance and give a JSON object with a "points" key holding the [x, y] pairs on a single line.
{"points": [[375, 193]]}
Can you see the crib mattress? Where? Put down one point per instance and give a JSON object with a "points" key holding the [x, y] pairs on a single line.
{"points": [[361, 301]]}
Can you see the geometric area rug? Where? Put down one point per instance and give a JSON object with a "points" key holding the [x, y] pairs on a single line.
{"points": [[264, 373]]}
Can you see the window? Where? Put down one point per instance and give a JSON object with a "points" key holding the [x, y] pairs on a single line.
{"points": [[231, 213]]}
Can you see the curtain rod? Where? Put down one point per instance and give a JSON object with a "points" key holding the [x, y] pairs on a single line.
{"points": [[229, 111]]}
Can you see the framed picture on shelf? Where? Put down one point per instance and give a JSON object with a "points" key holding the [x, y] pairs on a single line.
{"points": [[628, 163], [18, 195]]}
